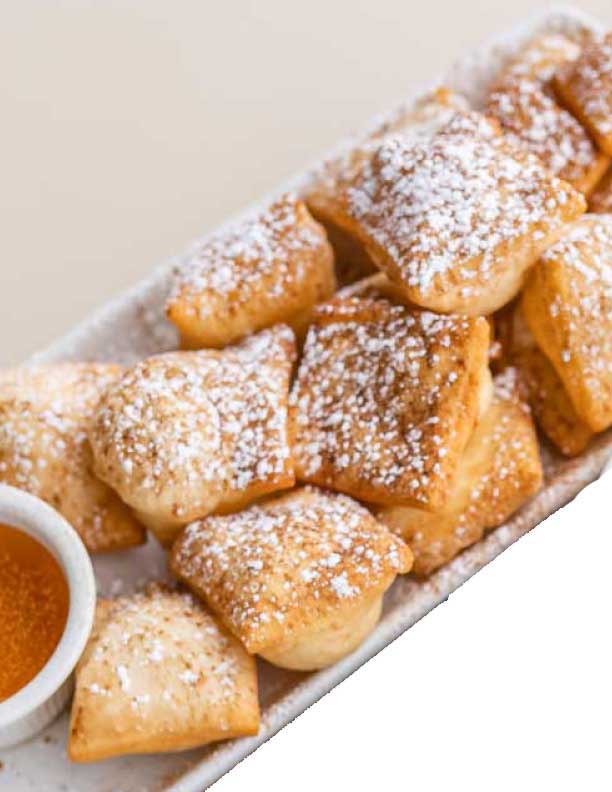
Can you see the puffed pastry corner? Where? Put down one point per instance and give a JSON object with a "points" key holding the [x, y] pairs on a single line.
{"points": [[271, 268], [45, 413], [584, 86], [185, 434], [159, 674], [567, 304], [385, 400], [299, 578], [499, 471]]}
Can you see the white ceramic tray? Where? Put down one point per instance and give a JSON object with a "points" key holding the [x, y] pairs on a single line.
{"points": [[133, 327]]}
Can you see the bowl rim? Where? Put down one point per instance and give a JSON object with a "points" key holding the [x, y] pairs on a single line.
{"points": [[21, 510]]}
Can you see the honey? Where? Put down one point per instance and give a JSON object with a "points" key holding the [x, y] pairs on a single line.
{"points": [[34, 603]]}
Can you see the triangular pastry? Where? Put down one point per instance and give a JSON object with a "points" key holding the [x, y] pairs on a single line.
{"points": [[298, 578], [159, 674], [45, 413], [185, 434]]}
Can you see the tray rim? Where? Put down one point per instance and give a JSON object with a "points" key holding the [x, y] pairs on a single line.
{"points": [[575, 476]]}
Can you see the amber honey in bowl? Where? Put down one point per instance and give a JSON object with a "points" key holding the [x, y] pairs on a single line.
{"points": [[34, 602]]}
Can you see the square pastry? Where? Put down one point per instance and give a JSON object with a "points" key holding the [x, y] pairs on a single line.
{"points": [[550, 404], [567, 304], [499, 471], [45, 413], [458, 219], [185, 434], [530, 117], [271, 268], [584, 86], [385, 400], [299, 578], [415, 120], [159, 674]]}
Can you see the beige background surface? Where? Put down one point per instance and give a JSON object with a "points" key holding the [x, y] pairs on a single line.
{"points": [[128, 128]]}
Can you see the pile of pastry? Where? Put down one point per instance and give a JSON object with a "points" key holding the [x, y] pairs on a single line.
{"points": [[352, 400]]}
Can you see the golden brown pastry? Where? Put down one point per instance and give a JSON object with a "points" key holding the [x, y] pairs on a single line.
{"points": [[499, 471], [551, 406], [185, 434], [299, 578], [456, 220], [415, 120], [159, 674], [45, 412], [567, 304], [269, 269], [600, 200], [385, 400], [584, 86], [525, 107]]}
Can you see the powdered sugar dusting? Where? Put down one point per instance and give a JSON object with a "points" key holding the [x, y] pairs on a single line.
{"points": [[376, 408], [276, 567], [436, 207]]}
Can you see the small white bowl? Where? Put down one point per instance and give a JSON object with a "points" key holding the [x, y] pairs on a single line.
{"points": [[33, 707]]}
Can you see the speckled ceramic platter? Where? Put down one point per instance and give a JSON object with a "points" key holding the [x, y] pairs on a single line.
{"points": [[132, 327]]}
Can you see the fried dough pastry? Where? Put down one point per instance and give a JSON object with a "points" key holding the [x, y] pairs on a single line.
{"points": [[524, 105], [550, 404], [272, 268], [415, 120], [499, 471], [584, 86], [159, 674], [299, 578], [185, 434], [567, 304], [45, 412], [600, 200], [456, 220], [385, 400]]}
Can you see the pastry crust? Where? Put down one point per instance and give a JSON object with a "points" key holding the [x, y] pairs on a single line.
{"points": [[385, 400], [530, 117], [415, 120], [45, 413], [600, 200], [186, 434], [584, 86], [297, 578], [567, 304], [551, 406], [270, 269], [499, 471], [456, 220], [159, 674]]}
